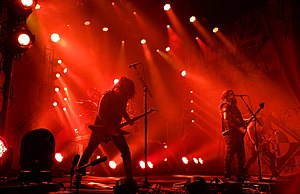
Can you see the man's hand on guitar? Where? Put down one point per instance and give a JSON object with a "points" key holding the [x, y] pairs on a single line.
{"points": [[116, 132]]}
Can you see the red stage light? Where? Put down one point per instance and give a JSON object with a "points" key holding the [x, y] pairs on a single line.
{"points": [[3, 146]]}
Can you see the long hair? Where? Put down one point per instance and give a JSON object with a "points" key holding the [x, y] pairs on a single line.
{"points": [[126, 86], [225, 97]]}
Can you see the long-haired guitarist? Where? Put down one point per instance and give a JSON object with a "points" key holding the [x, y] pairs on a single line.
{"points": [[233, 130], [112, 109]]}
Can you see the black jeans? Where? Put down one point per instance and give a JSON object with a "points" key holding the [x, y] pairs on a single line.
{"points": [[234, 147], [120, 143]]}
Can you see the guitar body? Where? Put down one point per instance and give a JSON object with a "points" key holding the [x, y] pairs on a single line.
{"points": [[109, 132]]}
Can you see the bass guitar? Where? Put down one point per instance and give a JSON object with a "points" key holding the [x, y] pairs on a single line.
{"points": [[117, 131], [243, 130]]}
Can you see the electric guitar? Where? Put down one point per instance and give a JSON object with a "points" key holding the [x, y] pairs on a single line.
{"points": [[117, 131], [243, 130]]}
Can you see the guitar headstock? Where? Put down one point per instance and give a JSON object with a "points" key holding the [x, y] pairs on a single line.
{"points": [[262, 105]]}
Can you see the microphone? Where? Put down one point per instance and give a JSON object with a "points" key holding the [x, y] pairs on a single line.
{"points": [[93, 163], [74, 163], [134, 65], [240, 95]]}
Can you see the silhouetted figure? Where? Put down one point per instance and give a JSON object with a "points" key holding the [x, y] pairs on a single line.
{"points": [[233, 130], [112, 109]]}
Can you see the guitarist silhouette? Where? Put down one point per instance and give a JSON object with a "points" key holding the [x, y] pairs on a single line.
{"points": [[112, 110]]}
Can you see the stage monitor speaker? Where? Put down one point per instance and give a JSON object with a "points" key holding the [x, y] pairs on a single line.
{"points": [[37, 151]]}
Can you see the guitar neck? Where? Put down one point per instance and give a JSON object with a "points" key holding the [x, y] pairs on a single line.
{"points": [[134, 119]]}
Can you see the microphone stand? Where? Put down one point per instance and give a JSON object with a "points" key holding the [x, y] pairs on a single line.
{"points": [[79, 171], [146, 92], [256, 138]]}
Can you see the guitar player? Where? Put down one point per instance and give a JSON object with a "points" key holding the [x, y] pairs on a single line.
{"points": [[234, 125], [112, 109]]}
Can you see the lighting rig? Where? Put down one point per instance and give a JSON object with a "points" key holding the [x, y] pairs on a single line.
{"points": [[15, 40]]}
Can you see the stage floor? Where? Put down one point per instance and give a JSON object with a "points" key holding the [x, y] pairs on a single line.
{"points": [[176, 184]]}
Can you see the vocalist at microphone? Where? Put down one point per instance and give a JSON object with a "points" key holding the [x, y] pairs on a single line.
{"points": [[240, 95], [134, 65]]}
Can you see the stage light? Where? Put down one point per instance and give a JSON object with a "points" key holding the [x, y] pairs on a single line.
{"points": [[65, 89], [54, 37], [20, 39], [54, 104], [143, 41], [168, 49], [150, 164], [3, 146], [116, 81], [183, 73], [57, 75], [59, 157], [21, 8], [112, 164], [185, 160], [167, 7], [215, 30], [37, 7], [201, 161], [192, 19], [142, 164], [64, 109], [23, 39], [87, 23], [195, 160], [65, 99], [105, 29], [56, 89], [65, 70]]}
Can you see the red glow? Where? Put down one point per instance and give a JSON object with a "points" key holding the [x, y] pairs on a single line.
{"points": [[183, 73], [59, 157], [185, 160], [55, 37], [142, 164], [116, 81], [3, 146], [167, 7], [112, 164]]}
